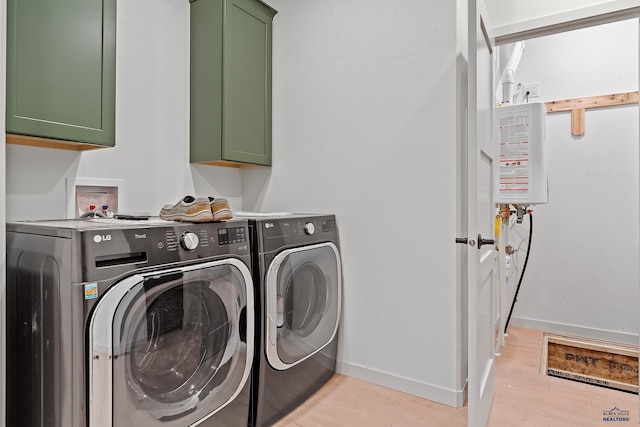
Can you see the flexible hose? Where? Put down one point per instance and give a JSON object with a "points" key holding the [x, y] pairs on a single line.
{"points": [[524, 267], [92, 213]]}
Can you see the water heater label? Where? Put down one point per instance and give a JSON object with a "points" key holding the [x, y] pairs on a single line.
{"points": [[514, 175]]}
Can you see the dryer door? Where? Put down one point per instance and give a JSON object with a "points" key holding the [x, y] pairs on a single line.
{"points": [[172, 347], [303, 297]]}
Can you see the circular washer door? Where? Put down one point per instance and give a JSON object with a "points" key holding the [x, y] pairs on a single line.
{"points": [[171, 347], [303, 298]]}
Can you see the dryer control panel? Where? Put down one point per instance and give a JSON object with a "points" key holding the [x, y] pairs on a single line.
{"points": [[277, 233]]}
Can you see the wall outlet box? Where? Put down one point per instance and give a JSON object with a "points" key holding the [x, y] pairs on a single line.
{"points": [[82, 193], [531, 90]]}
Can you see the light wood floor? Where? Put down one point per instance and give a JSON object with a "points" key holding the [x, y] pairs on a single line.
{"points": [[523, 398]]}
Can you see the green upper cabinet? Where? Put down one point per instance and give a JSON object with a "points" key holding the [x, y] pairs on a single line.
{"points": [[231, 82], [61, 58]]}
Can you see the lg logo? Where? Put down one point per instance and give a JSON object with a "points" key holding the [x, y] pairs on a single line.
{"points": [[101, 238]]}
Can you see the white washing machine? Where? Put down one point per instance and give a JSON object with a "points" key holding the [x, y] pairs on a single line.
{"points": [[129, 323]]}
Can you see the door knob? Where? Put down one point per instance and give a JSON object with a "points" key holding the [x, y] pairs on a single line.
{"points": [[465, 241], [482, 241]]}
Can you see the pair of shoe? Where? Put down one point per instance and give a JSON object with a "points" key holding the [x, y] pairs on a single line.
{"points": [[198, 209]]}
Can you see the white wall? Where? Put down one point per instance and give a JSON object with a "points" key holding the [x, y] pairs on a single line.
{"points": [[583, 273], [152, 127], [364, 126]]}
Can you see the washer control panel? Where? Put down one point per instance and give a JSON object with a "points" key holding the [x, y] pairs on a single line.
{"points": [[232, 235], [280, 232], [121, 248], [309, 228], [189, 241]]}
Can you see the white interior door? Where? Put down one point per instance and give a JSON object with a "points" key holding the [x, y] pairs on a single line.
{"points": [[482, 260]]}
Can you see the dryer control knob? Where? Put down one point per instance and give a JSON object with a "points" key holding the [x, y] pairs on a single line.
{"points": [[309, 228], [189, 241]]}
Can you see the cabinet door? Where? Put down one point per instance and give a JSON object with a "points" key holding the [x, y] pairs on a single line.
{"points": [[247, 82], [206, 81], [61, 69]]}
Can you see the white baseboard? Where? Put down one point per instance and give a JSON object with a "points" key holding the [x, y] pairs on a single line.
{"points": [[453, 398], [578, 331], [457, 398]]}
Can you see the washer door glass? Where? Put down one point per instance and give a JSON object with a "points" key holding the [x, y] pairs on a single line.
{"points": [[303, 292], [179, 344]]}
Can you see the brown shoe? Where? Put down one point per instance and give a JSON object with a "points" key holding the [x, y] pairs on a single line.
{"points": [[220, 208], [189, 209]]}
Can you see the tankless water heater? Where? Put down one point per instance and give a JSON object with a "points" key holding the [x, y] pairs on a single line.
{"points": [[521, 176]]}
